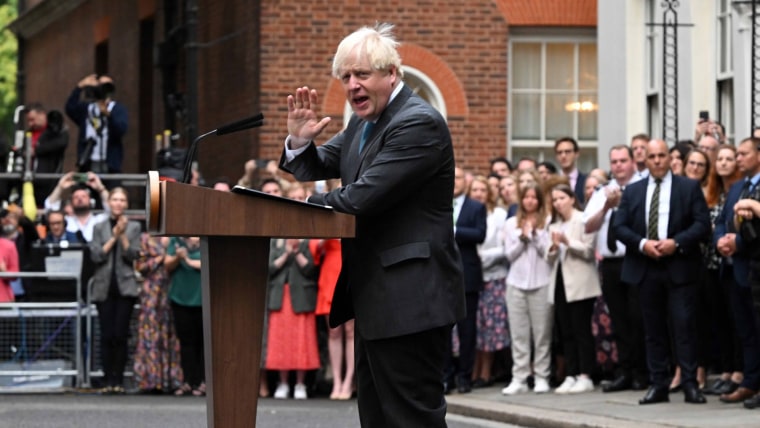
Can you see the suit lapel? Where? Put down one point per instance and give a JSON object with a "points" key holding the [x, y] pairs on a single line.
{"points": [[371, 145]]}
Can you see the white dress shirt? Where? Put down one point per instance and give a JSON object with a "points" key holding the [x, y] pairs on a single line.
{"points": [[663, 212], [596, 204]]}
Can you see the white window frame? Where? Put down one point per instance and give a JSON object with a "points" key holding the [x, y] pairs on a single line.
{"points": [[542, 144]]}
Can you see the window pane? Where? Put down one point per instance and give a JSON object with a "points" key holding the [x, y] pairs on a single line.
{"points": [[587, 117], [559, 116], [526, 116], [526, 65], [560, 66], [587, 68]]}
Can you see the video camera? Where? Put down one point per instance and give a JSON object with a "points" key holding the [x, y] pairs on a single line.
{"points": [[99, 92]]}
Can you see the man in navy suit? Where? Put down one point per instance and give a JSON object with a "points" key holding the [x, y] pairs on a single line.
{"points": [[469, 231], [401, 276], [735, 268], [661, 220], [566, 149]]}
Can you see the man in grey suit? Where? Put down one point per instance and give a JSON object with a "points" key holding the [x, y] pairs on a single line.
{"points": [[401, 277]]}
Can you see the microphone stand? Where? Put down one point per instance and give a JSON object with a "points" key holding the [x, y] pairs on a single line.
{"points": [[240, 125]]}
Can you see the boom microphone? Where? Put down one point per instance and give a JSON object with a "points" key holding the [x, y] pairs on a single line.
{"points": [[240, 125]]}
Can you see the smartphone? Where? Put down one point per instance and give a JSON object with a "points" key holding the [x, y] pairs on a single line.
{"points": [[704, 116], [80, 177]]}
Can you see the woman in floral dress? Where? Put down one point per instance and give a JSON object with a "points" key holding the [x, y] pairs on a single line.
{"points": [[157, 363]]}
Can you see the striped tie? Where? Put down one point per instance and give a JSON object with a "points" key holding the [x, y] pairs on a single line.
{"points": [[654, 208]]}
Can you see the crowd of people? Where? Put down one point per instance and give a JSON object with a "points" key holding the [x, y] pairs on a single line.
{"points": [[643, 276]]}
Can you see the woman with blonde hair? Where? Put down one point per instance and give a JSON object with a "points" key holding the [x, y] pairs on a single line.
{"points": [[114, 248], [573, 288], [530, 314], [492, 325]]}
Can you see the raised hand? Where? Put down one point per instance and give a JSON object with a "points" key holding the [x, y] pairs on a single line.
{"points": [[303, 122]]}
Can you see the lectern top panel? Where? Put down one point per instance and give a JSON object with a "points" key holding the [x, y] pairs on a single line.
{"points": [[258, 193]]}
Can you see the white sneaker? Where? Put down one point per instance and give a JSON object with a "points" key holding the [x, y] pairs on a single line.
{"points": [[541, 386], [282, 391], [299, 393], [566, 385], [582, 384], [515, 387]]}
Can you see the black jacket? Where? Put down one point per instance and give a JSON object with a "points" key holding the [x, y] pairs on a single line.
{"points": [[52, 144]]}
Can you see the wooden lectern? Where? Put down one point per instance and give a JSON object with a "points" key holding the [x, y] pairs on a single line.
{"points": [[235, 230]]}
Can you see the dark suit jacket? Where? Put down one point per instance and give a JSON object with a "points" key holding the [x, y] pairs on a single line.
{"points": [[580, 188], [688, 225], [302, 281], [401, 274], [725, 224], [471, 231]]}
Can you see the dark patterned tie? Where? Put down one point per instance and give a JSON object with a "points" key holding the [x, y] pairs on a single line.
{"points": [[365, 134], [745, 189], [654, 208], [611, 241]]}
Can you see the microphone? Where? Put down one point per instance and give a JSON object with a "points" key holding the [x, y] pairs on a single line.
{"points": [[240, 125]]}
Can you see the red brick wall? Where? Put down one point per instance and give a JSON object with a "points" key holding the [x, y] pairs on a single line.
{"points": [[566, 13], [59, 56], [462, 47]]}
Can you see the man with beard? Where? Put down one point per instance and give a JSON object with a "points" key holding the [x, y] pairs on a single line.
{"points": [[82, 221]]}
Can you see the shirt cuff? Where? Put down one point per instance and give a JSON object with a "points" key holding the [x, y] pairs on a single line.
{"points": [[291, 154], [641, 244]]}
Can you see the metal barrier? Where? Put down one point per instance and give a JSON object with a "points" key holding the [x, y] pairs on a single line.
{"points": [[59, 354], [135, 182]]}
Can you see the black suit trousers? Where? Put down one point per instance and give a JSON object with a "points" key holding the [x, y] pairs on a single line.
{"points": [[622, 299], [747, 325], [660, 300], [400, 379], [577, 339]]}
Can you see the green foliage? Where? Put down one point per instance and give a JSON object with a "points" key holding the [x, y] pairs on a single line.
{"points": [[8, 63]]}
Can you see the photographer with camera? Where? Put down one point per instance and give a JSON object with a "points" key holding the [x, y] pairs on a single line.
{"points": [[76, 186], [102, 124]]}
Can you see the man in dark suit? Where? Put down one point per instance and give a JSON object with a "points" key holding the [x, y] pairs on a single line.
{"points": [[735, 270], [566, 149], [661, 220], [622, 298], [469, 231], [401, 277]]}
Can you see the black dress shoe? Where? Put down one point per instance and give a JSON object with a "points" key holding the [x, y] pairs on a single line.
{"points": [[464, 388], [692, 395], [621, 383], [655, 395], [729, 387], [639, 384], [448, 387], [752, 403], [482, 383], [715, 387]]}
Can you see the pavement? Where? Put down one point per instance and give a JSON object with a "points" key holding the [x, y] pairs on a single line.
{"points": [[598, 409], [588, 410]]}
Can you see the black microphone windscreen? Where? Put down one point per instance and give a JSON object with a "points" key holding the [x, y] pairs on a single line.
{"points": [[240, 125]]}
